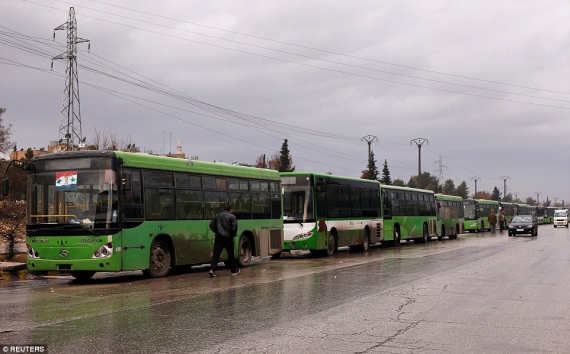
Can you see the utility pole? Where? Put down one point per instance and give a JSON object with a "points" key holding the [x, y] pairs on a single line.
{"points": [[516, 195], [505, 178], [419, 142], [475, 179], [369, 139], [70, 115], [537, 194]]}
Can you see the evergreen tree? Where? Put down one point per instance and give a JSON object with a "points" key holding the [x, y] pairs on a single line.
{"points": [[29, 154], [372, 171], [462, 190], [449, 187], [285, 160], [496, 195], [385, 174]]}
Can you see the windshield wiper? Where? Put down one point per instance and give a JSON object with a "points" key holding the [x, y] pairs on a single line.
{"points": [[70, 226], [295, 219]]}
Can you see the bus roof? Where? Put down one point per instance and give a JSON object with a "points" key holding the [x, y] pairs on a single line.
{"points": [[387, 186], [325, 175], [487, 201], [456, 198], [144, 160]]}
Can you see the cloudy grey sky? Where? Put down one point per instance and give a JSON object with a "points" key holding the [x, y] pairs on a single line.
{"points": [[486, 82]]}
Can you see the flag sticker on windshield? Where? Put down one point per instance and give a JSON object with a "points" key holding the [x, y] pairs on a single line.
{"points": [[66, 180]]}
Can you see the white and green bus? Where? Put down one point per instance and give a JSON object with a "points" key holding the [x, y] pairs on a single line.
{"points": [[450, 217], [324, 212], [408, 214], [110, 211]]}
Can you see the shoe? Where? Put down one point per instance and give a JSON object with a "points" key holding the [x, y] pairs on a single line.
{"points": [[212, 274], [237, 272]]}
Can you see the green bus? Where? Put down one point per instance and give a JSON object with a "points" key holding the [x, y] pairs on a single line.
{"points": [[477, 212], [522, 209], [450, 217], [408, 214], [110, 211], [549, 214], [508, 209], [324, 212]]}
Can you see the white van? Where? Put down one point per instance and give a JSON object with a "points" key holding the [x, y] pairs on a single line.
{"points": [[561, 218]]}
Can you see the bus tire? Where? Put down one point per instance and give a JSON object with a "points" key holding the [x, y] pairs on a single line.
{"points": [[365, 241], [82, 275], [456, 232], [396, 241], [331, 245], [424, 238], [160, 259], [244, 251]]}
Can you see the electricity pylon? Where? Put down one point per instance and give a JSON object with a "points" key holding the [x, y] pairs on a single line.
{"points": [[70, 115]]}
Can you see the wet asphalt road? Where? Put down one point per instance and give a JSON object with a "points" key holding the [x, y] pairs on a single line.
{"points": [[480, 293]]}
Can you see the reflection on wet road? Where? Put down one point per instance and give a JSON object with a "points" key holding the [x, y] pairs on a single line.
{"points": [[387, 299]]}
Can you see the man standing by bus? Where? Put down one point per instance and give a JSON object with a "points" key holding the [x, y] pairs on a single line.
{"points": [[225, 228], [502, 225], [492, 219]]}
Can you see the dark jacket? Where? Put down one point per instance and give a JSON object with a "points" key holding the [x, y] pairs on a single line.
{"points": [[224, 224]]}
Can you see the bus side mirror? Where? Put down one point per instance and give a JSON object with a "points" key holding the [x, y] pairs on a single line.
{"points": [[126, 181], [5, 187], [438, 205]]}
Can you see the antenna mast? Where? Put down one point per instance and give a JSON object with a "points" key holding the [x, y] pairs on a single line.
{"points": [[70, 115]]}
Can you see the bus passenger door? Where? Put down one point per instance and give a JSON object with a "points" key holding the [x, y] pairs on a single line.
{"points": [[135, 246]]}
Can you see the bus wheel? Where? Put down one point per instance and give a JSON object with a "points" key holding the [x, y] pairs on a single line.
{"points": [[244, 254], [456, 232], [396, 241], [365, 241], [160, 260], [82, 275], [331, 247], [424, 238]]}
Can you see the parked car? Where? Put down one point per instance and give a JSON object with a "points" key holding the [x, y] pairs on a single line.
{"points": [[523, 224]]}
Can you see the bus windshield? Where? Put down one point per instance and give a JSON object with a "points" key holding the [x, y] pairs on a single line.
{"points": [[297, 199], [469, 208], [79, 192]]}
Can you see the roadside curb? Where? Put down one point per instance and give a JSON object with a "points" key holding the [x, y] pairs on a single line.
{"points": [[11, 266]]}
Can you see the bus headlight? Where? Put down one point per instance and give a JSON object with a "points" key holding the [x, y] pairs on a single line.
{"points": [[302, 236], [32, 253], [104, 251]]}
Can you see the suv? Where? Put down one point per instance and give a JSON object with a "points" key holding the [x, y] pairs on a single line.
{"points": [[560, 218]]}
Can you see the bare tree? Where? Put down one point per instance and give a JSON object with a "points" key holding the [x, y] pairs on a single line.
{"points": [[108, 141], [12, 216]]}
